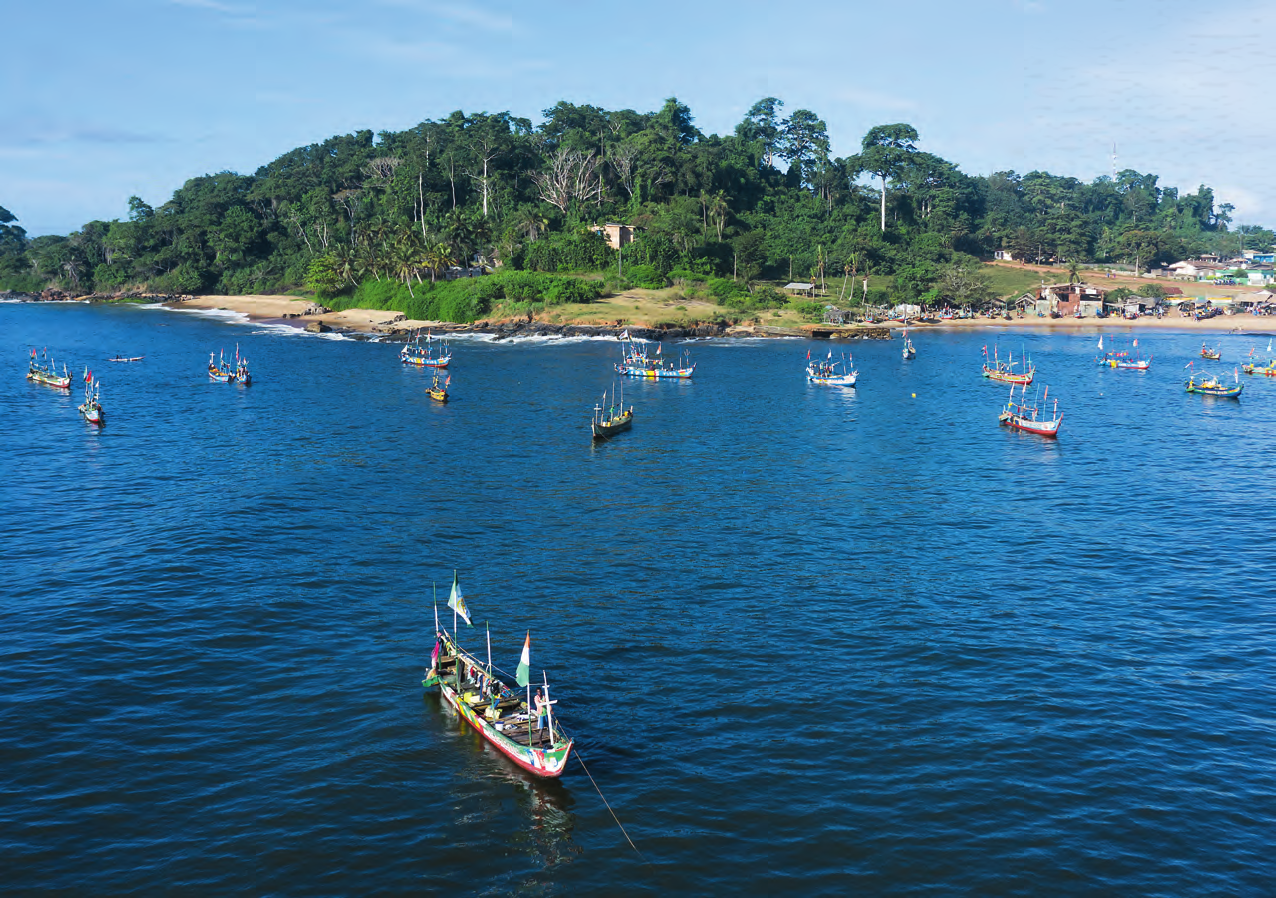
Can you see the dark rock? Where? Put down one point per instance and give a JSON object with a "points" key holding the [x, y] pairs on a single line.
{"points": [[317, 327]]}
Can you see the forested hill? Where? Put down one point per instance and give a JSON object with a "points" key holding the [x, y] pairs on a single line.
{"points": [[768, 201]]}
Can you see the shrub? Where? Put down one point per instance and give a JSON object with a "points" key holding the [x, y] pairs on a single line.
{"points": [[646, 276]]}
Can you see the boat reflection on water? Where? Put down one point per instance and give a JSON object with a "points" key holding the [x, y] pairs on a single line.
{"points": [[547, 803]]}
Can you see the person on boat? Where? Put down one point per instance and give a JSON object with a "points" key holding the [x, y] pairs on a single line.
{"points": [[541, 709]]}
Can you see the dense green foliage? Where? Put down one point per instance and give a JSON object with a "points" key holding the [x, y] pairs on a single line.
{"points": [[389, 219]]}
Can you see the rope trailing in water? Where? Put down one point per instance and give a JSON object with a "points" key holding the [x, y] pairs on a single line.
{"points": [[609, 810]]}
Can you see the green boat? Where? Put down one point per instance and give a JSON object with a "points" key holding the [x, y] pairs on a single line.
{"points": [[500, 713]]}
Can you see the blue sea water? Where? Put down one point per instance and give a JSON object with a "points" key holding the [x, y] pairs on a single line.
{"points": [[810, 640]]}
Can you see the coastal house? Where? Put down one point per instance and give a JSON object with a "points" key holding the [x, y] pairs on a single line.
{"points": [[1069, 299], [1004, 255], [1195, 270], [616, 235]]}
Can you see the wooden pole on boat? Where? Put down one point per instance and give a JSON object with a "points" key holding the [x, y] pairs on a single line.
{"points": [[549, 711], [488, 624]]}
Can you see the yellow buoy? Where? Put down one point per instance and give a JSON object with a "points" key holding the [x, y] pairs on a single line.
{"points": [[914, 395]]}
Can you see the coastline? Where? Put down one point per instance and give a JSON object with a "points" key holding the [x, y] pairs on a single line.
{"points": [[390, 324]]}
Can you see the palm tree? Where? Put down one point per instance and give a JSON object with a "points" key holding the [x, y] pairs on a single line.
{"points": [[1074, 272], [531, 223]]}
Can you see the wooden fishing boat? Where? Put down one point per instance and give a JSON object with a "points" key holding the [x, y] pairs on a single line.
{"points": [[612, 420], [1007, 370], [636, 362], [136, 358], [424, 357], [1210, 385], [91, 407], [831, 372], [1253, 367], [242, 374], [1027, 417], [438, 391], [220, 371], [1212, 354], [1122, 359], [497, 711], [909, 351], [42, 372]]}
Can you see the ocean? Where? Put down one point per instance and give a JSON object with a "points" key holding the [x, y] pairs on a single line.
{"points": [[810, 640]]}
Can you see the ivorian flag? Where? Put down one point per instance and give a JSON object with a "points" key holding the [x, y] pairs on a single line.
{"points": [[457, 601], [523, 675]]}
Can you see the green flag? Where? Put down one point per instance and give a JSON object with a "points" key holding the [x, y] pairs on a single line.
{"points": [[523, 675]]}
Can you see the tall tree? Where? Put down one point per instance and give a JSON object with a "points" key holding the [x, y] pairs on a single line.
{"points": [[886, 152], [763, 123]]}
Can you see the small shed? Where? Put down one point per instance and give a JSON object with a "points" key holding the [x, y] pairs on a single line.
{"points": [[800, 289]]}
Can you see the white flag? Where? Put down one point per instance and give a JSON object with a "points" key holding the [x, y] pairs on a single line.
{"points": [[457, 601]]}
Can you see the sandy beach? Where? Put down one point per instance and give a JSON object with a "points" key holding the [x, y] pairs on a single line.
{"points": [[290, 310]]}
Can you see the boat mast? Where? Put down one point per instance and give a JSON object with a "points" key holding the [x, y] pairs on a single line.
{"points": [[549, 710]]}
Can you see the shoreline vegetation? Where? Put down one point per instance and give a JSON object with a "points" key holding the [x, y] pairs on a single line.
{"points": [[611, 318], [639, 217]]}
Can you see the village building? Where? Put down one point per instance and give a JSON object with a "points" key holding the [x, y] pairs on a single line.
{"points": [[1069, 300], [616, 235]]}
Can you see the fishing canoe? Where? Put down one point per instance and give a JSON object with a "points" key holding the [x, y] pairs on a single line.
{"points": [[498, 712]]}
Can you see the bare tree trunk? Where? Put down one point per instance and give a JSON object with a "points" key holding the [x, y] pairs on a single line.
{"points": [[420, 178], [451, 174], [883, 202]]}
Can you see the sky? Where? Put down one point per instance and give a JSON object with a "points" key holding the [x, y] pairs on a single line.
{"points": [[107, 99]]}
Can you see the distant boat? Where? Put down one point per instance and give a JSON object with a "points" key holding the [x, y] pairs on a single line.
{"points": [[220, 371], [42, 373], [1268, 369], [242, 374], [1006, 371], [614, 419], [636, 362], [413, 353], [136, 358], [909, 351], [1212, 354], [510, 724], [1028, 417], [1130, 360], [830, 372], [438, 391], [1210, 385], [91, 407]]}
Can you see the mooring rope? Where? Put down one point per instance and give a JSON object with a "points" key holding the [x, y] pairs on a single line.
{"points": [[609, 810]]}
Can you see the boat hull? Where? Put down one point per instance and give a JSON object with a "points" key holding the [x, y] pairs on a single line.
{"points": [[838, 380], [1268, 370], [602, 430], [1233, 392], [93, 415], [438, 395], [655, 373], [1027, 425], [1009, 377], [545, 763], [427, 363], [61, 383]]}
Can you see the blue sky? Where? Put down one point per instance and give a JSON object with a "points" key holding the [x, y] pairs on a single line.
{"points": [[102, 100]]}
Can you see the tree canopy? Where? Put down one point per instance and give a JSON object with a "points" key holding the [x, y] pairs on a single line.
{"points": [[490, 188]]}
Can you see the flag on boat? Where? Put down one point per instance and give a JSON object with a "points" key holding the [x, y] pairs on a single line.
{"points": [[1188, 365], [624, 335], [457, 601], [523, 675], [1100, 341], [1136, 342]]}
